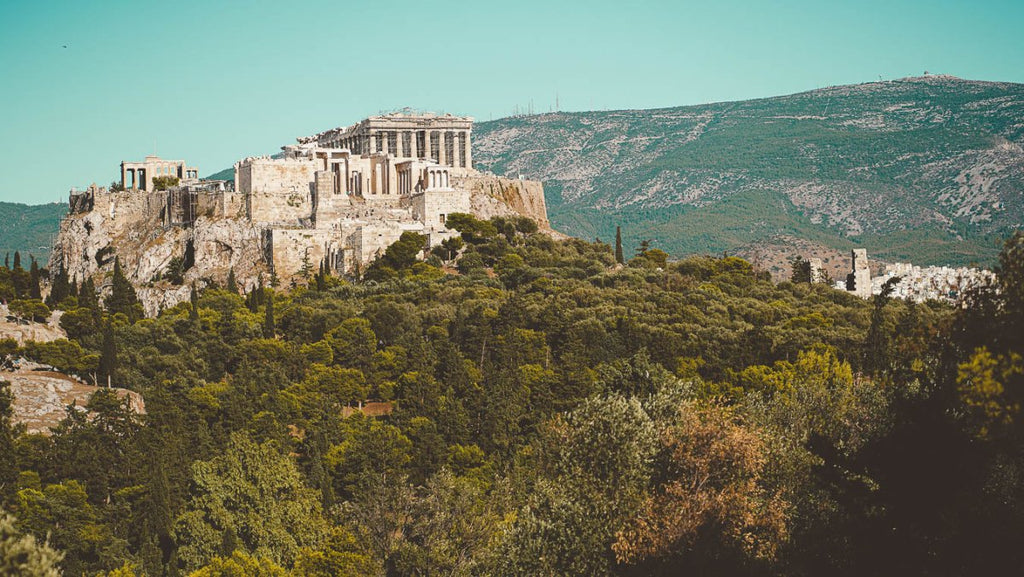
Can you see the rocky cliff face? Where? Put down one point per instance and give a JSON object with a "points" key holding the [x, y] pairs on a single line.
{"points": [[207, 250], [926, 169], [497, 196]]}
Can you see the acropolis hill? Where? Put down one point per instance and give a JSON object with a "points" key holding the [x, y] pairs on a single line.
{"points": [[337, 198]]}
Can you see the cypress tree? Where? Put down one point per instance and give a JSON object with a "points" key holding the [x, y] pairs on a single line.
{"points": [[33, 286], [269, 330], [122, 295], [17, 261], [108, 354], [87, 295], [232, 284], [7, 261], [619, 257], [193, 313], [59, 288]]}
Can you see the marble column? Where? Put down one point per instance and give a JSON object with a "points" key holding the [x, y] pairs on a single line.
{"points": [[442, 148]]}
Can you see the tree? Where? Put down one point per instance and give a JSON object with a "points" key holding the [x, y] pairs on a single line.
{"points": [[87, 295], [801, 270], [122, 297], [619, 258], [8, 465], [876, 344], [193, 311], [232, 284], [714, 480], [108, 355], [269, 328], [240, 564], [595, 466], [400, 256], [34, 277], [60, 288], [251, 498], [22, 556], [165, 182]]}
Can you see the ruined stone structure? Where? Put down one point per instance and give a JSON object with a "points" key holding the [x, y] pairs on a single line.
{"points": [[443, 139], [817, 270], [859, 280], [140, 175], [338, 198]]}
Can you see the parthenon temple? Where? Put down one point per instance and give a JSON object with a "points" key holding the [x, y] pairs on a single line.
{"points": [[445, 139]]}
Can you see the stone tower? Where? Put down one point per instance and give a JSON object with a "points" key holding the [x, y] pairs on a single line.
{"points": [[859, 280]]}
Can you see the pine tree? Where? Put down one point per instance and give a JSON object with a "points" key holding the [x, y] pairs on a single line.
{"points": [[232, 284], [269, 330], [108, 354], [122, 295], [619, 258]]}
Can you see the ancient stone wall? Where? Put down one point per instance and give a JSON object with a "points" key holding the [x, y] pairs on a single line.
{"points": [[433, 206], [278, 191]]}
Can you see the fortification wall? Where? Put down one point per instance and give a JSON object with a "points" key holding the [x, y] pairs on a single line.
{"points": [[277, 191], [434, 206]]}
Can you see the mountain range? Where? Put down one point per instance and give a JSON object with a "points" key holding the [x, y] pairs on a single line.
{"points": [[927, 169]]}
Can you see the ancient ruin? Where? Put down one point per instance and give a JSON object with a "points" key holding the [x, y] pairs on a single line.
{"points": [[859, 280], [140, 175], [337, 199]]}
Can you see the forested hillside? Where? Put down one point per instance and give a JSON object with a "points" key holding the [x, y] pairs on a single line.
{"points": [[928, 170], [29, 228], [545, 411]]}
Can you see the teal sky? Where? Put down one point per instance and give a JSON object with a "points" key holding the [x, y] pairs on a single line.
{"points": [[210, 82]]}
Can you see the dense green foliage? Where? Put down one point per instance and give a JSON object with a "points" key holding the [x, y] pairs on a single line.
{"points": [[551, 413], [30, 228]]}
